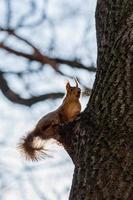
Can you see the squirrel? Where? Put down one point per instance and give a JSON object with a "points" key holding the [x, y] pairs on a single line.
{"points": [[32, 145]]}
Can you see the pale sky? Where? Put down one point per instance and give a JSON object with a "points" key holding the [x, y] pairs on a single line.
{"points": [[51, 178]]}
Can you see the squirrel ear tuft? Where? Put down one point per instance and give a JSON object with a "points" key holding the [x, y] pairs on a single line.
{"points": [[68, 85], [76, 81]]}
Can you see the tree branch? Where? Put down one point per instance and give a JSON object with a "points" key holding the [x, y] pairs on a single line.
{"points": [[70, 134], [32, 9], [38, 56], [9, 13], [15, 98], [54, 62], [33, 57], [12, 32], [75, 64]]}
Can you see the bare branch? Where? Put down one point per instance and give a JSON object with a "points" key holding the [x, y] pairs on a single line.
{"points": [[33, 57], [12, 32], [30, 12], [32, 9], [38, 56], [75, 64], [8, 13], [15, 98], [54, 62]]}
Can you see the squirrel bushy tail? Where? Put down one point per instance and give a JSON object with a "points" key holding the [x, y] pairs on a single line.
{"points": [[32, 146]]}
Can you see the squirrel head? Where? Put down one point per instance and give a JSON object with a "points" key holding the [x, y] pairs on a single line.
{"points": [[73, 93]]}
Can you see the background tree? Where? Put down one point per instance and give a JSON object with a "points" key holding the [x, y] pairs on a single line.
{"points": [[18, 41], [101, 143]]}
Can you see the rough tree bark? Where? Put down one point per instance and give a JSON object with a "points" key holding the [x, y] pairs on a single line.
{"points": [[100, 142]]}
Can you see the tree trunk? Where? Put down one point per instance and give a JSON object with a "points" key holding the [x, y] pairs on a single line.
{"points": [[100, 142]]}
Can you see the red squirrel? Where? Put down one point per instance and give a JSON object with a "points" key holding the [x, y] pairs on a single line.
{"points": [[32, 145]]}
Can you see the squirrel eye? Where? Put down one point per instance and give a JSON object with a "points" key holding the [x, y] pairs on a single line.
{"points": [[71, 89]]}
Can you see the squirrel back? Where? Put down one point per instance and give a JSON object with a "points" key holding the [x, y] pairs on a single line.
{"points": [[32, 146]]}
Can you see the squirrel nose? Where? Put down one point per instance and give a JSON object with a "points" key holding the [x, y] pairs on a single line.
{"points": [[79, 90]]}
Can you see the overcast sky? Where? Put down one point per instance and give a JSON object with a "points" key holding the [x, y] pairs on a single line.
{"points": [[51, 178]]}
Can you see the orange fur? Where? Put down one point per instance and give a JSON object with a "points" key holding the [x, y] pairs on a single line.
{"points": [[47, 127]]}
